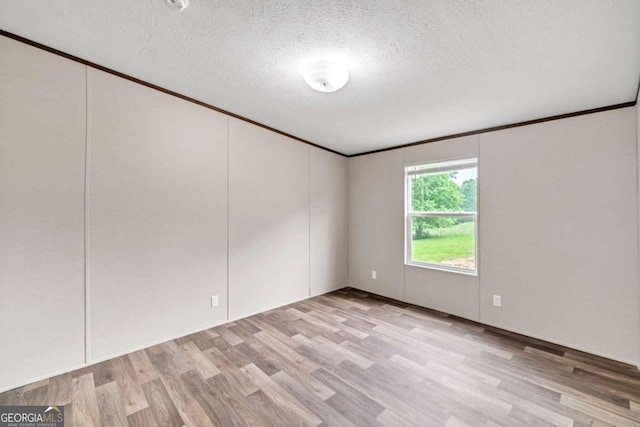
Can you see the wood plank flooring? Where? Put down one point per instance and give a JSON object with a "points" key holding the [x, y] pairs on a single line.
{"points": [[346, 359]]}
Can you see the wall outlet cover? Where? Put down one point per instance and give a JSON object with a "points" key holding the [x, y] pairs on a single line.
{"points": [[497, 300]]}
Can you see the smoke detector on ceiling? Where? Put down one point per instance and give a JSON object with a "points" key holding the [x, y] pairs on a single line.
{"points": [[178, 5], [325, 76]]}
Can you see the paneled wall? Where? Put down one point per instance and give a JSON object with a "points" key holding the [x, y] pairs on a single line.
{"points": [[42, 152], [559, 226], [329, 232], [179, 203], [157, 217], [268, 220], [376, 223], [557, 233], [288, 236]]}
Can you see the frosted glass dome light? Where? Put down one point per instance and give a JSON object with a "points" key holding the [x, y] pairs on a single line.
{"points": [[325, 76], [178, 5]]}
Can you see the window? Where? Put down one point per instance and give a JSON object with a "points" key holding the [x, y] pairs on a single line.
{"points": [[441, 226]]}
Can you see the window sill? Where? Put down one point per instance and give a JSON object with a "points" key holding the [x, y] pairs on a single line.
{"points": [[472, 273]]}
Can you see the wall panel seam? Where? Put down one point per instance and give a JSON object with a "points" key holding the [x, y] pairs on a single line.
{"points": [[228, 198], [479, 228], [637, 141], [309, 217], [87, 271]]}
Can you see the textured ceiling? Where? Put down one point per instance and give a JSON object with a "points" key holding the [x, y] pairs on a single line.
{"points": [[418, 68]]}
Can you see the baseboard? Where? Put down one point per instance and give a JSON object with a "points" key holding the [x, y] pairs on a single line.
{"points": [[151, 344], [115, 355], [102, 359], [634, 363]]}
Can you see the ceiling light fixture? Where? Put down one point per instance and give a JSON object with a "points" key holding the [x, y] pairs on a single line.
{"points": [[325, 76], [178, 5]]}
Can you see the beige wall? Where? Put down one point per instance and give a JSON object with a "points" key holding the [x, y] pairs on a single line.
{"points": [[329, 230], [42, 150], [268, 220], [558, 232], [158, 201], [157, 219], [288, 207], [376, 223]]}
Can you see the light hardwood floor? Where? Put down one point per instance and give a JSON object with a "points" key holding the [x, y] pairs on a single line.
{"points": [[347, 358]]}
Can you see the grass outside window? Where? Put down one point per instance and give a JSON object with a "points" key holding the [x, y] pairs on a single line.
{"points": [[451, 246]]}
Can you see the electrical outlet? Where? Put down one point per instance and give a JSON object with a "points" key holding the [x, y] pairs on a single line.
{"points": [[497, 300], [374, 275], [214, 301]]}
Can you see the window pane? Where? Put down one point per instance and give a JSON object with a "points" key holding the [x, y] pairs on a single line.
{"points": [[453, 191], [449, 241]]}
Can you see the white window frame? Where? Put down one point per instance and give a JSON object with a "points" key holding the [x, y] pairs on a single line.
{"points": [[431, 168]]}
